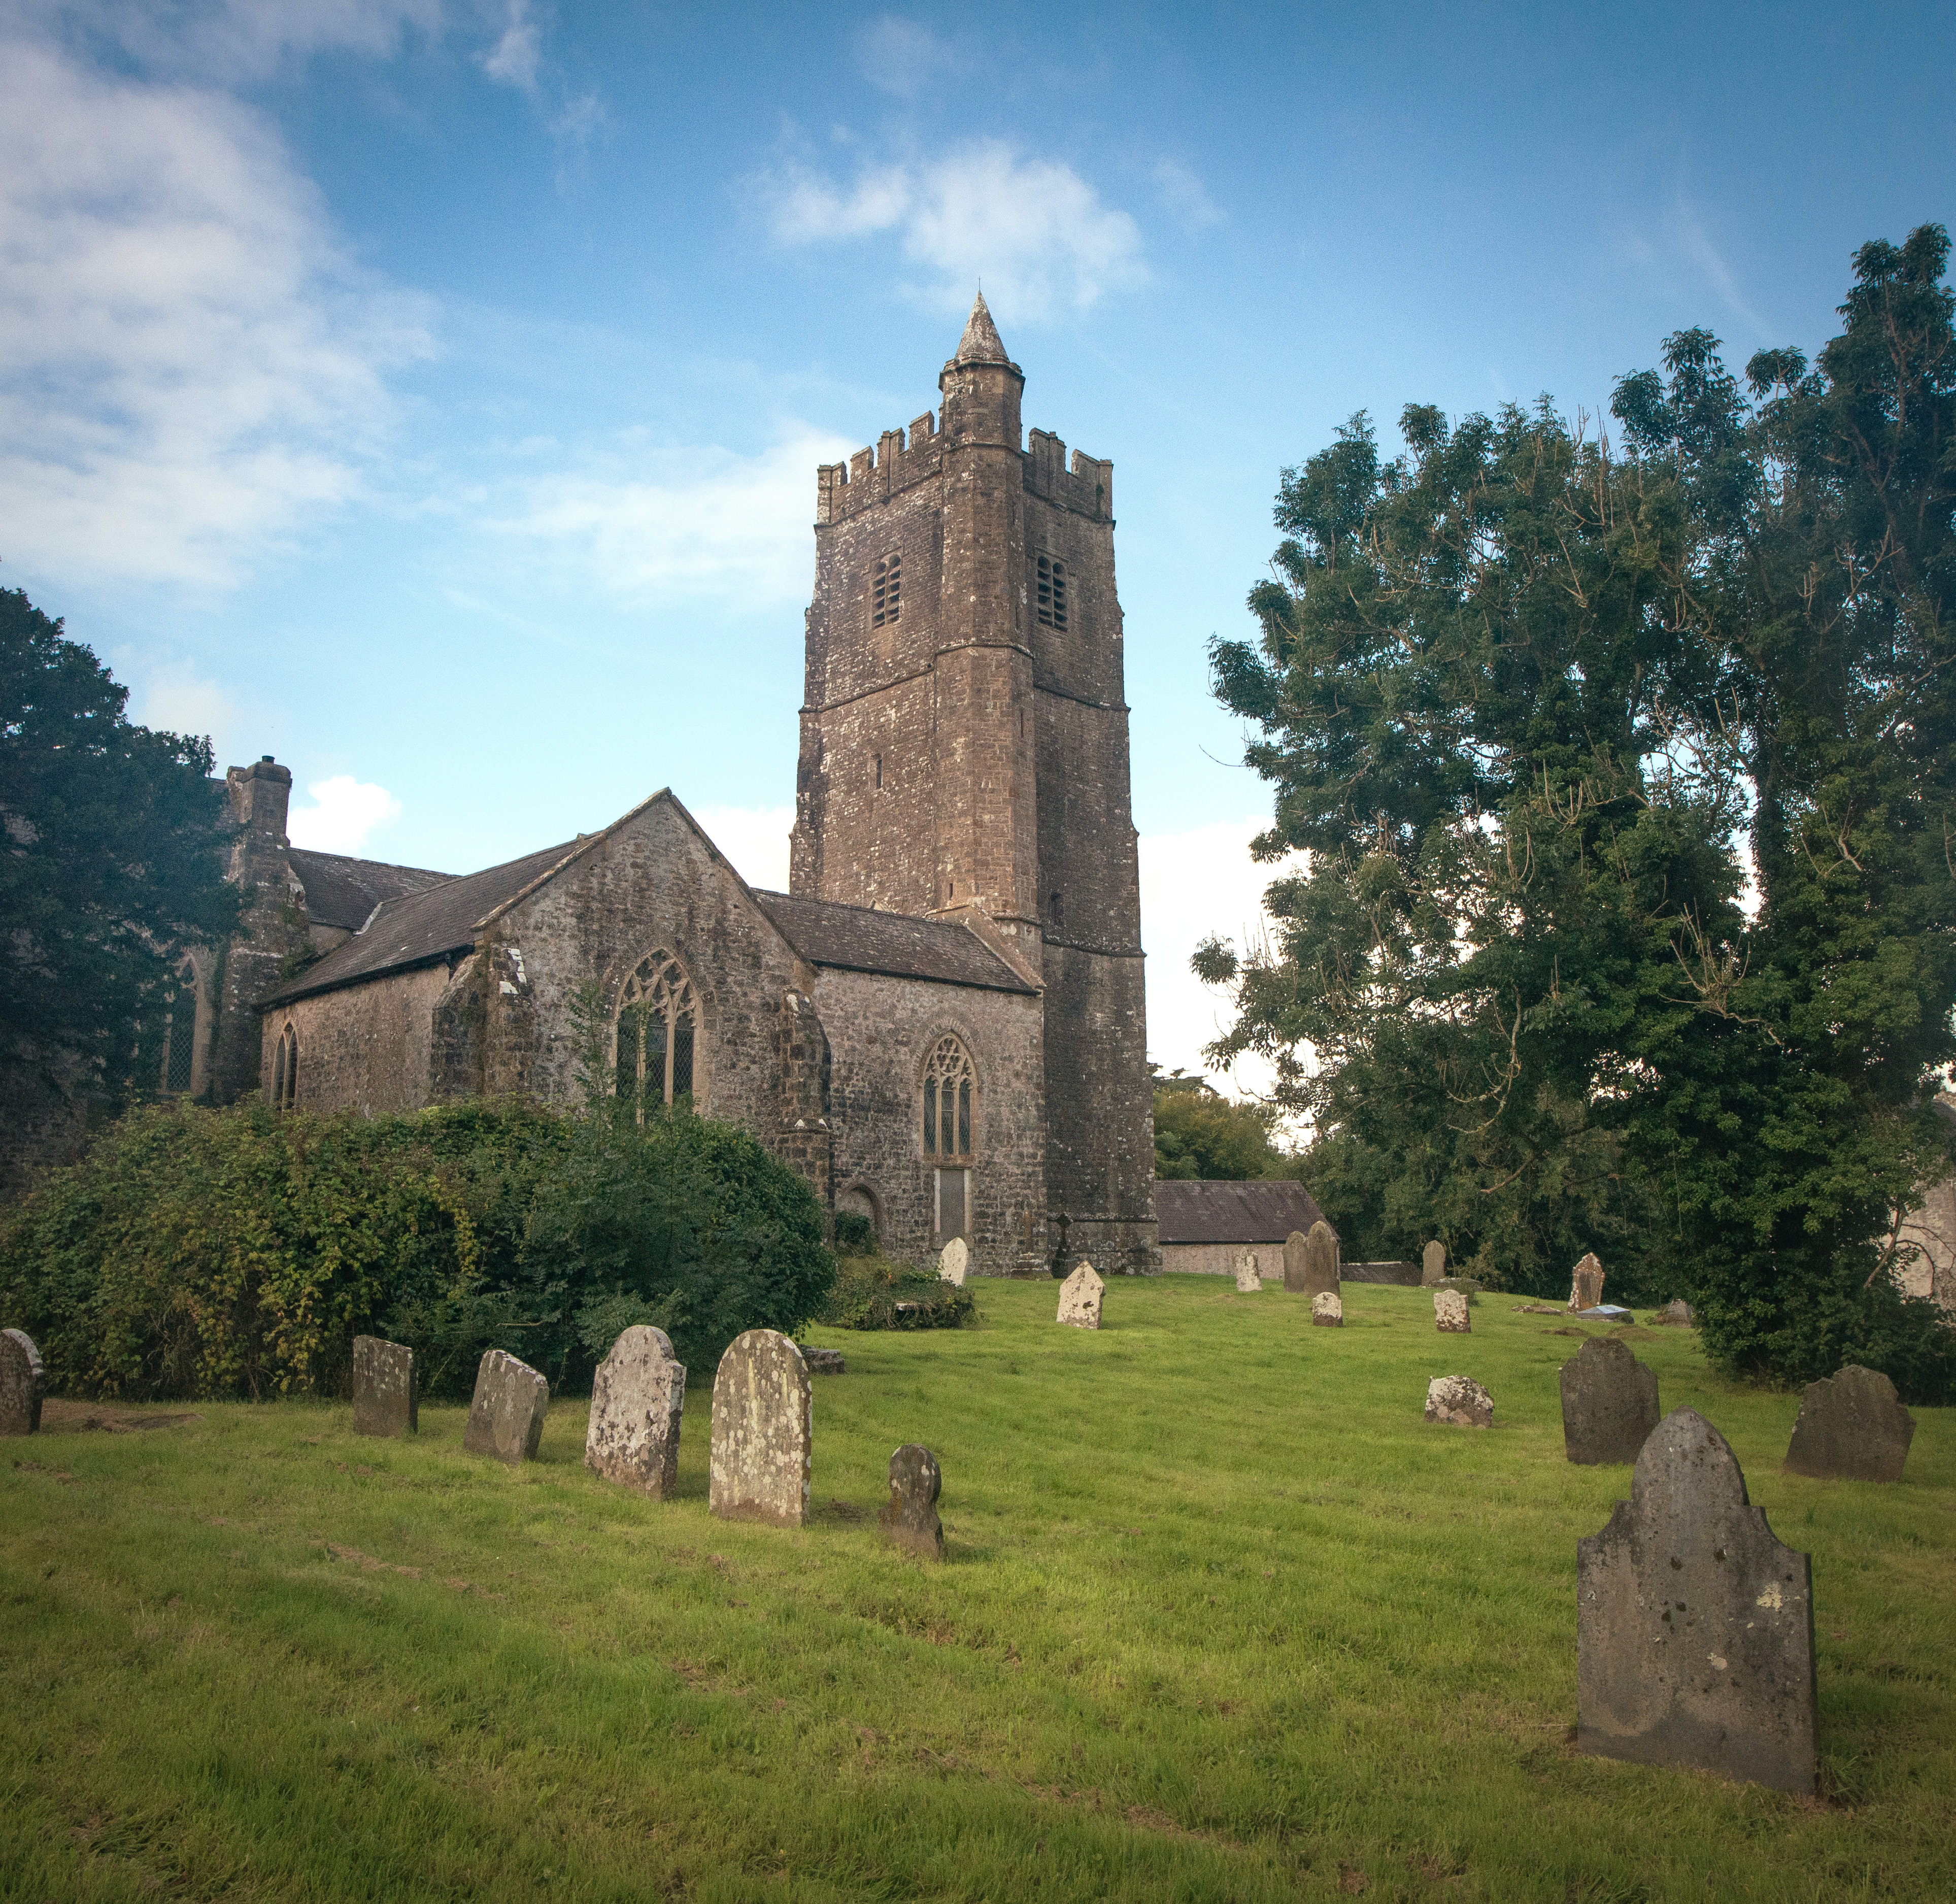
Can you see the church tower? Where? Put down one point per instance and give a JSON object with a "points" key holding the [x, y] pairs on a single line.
{"points": [[964, 750]]}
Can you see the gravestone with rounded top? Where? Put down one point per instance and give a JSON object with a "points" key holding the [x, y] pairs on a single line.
{"points": [[1609, 1404], [1296, 1246], [1433, 1262], [763, 1432], [1852, 1427], [1328, 1312], [1248, 1277], [1694, 1630], [955, 1262], [1079, 1298], [1450, 1316], [910, 1518], [638, 1397], [1459, 1399], [506, 1417], [1320, 1261], [1677, 1312], [387, 1387], [1585, 1287], [23, 1383]]}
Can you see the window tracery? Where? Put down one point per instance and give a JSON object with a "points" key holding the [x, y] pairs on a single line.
{"points": [[949, 1085], [180, 1032], [659, 1019], [286, 1070]]}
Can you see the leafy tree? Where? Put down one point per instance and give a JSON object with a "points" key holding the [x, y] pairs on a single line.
{"points": [[113, 859], [1200, 1134]]}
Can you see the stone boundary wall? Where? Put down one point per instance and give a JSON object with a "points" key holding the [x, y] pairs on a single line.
{"points": [[1399, 1275], [1220, 1259]]}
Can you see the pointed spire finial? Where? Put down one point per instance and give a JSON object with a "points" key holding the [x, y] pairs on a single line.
{"points": [[981, 343]]}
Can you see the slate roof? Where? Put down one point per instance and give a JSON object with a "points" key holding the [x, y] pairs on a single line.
{"points": [[342, 891], [420, 927], [1215, 1212], [858, 938]]}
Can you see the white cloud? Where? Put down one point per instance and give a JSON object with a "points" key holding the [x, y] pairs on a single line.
{"points": [[1183, 196], [903, 56], [187, 367], [1040, 237], [343, 812], [173, 696], [689, 521], [514, 57], [754, 838], [227, 40]]}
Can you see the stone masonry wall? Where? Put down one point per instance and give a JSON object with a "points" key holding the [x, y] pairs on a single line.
{"points": [[363, 1049], [1220, 1259]]}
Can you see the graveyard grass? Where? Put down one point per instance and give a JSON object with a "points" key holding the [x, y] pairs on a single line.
{"points": [[1222, 1617]]}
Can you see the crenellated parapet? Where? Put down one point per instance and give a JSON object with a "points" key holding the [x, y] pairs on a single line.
{"points": [[899, 459], [1087, 487]]}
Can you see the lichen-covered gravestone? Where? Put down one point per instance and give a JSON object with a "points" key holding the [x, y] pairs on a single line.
{"points": [[1609, 1404], [638, 1397], [1450, 1316], [823, 1361], [1296, 1246], [1248, 1279], [1852, 1427], [910, 1519], [1585, 1287], [1320, 1261], [955, 1262], [506, 1417], [1079, 1298], [1433, 1262], [1460, 1400], [1694, 1626], [387, 1387], [22, 1383], [1328, 1312], [1677, 1313], [763, 1432]]}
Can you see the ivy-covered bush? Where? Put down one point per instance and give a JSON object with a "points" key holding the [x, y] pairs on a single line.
{"points": [[872, 1291], [200, 1253]]}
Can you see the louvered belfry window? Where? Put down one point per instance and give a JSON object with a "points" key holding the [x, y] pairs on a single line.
{"points": [[949, 1083], [886, 591], [1051, 592], [658, 1020]]}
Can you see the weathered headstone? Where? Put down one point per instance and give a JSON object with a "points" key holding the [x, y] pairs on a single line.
{"points": [[1079, 1298], [955, 1262], [22, 1383], [637, 1397], [824, 1362], [1694, 1626], [1852, 1427], [1328, 1312], [1450, 1312], [1585, 1287], [1460, 1400], [763, 1432], [1466, 1285], [506, 1417], [1296, 1245], [1248, 1278], [1433, 1262], [1609, 1404], [1320, 1261], [910, 1519], [387, 1387], [1677, 1312]]}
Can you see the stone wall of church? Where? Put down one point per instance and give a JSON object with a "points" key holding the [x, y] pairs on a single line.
{"points": [[365, 1048], [882, 1031]]}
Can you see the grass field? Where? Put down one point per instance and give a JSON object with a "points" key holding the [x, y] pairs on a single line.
{"points": [[1222, 1618]]}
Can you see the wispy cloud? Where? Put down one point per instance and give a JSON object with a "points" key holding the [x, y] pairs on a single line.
{"points": [[1184, 197], [1041, 237], [1697, 244], [223, 42], [904, 57], [515, 56], [344, 813]]}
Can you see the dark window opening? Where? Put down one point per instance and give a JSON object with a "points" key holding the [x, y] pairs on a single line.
{"points": [[1056, 909], [1051, 592], [879, 770], [180, 1036], [285, 1071], [886, 591]]}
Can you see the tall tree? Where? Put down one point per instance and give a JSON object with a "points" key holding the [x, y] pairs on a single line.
{"points": [[113, 859]]}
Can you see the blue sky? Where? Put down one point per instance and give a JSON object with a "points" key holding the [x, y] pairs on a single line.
{"points": [[430, 394]]}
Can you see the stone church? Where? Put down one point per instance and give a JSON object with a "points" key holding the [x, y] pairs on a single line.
{"points": [[940, 1025]]}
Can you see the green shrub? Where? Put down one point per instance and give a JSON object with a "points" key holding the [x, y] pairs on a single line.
{"points": [[202, 1253], [872, 1291]]}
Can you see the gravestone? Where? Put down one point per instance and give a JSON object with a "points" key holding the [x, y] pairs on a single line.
{"points": [[1328, 1312], [1079, 1298], [387, 1387], [1247, 1279], [1320, 1261], [1609, 1404], [1433, 1262], [1296, 1246], [763, 1432], [1450, 1312], [910, 1519], [824, 1362], [1694, 1627], [1852, 1427], [1466, 1285], [1586, 1287], [22, 1383], [506, 1417], [637, 1398], [1677, 1311], [1459, 1399], [955, 1262]]}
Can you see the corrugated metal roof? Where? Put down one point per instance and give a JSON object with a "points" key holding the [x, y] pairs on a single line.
{"points": [[342, 891], [1212, 1212], [859, 938]]}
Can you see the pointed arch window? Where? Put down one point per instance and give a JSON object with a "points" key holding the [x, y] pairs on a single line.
{"points": [[950, 1084], [658, 1025], [180, 1032], [286, 1070]]}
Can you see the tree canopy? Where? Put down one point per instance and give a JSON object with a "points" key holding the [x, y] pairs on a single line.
{"points": [[1523, 700], [1201, 1134]]}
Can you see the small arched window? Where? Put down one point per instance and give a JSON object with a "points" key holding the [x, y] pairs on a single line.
{"points": [[180, 1032], [949, 1083], [658, 1021], [286, 1070]]}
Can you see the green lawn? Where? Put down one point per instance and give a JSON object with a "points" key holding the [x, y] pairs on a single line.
{"points": [[1222, 1617]]}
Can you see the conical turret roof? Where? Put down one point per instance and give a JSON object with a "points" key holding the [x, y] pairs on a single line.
{"points": [[981, 343]]}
